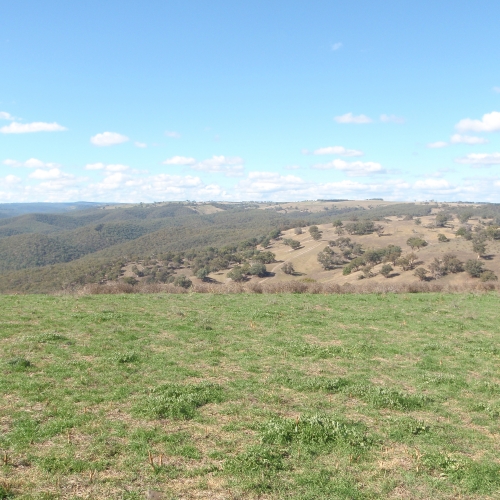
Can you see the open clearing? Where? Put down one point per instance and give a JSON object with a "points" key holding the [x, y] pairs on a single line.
{"points": [[250, 396]]}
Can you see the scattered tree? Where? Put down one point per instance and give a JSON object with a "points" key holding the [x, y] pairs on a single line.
{"points": [[386, 270], [182, 281], [488, 275], [474, 268], [421, 273], [442, 238], [415, 242], [236, 274], [292, 243], [298, 230], [288, 268]]}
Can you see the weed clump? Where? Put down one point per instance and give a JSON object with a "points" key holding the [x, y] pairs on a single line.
{"points": [[19, 363], [381, 397], [313, 431], [179, 402]]}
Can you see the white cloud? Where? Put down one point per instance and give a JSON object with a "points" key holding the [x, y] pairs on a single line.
{"points": [[140, 144], [31, 163], [480, 159], [172, 134], [53, 173], [467, 139], [338, 150], [337, 46], [496, 89], [259, 183], [432, 184], [230, 166], [437, 145], [108, 139], [392, 119], [107, 168], [350, 118], [6, 116], [11, 179], [489, 123], [180, 160], [25, 128], [352, 169]]}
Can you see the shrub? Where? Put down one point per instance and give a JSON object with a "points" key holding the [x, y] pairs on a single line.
{"points": [[421, 273], [180, 402], [182, 281], [130, 280], [292, 243], [288, 268], [257, 269], [442, 238], [298, 230], [474, 268], [488, 275], [236, 274], [386, 270], [417, 243]]}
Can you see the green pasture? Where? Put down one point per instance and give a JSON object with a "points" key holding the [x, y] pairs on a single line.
{"points": [[294, 396]]}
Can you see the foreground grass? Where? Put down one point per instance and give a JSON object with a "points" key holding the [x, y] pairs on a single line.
{"points": [[250, 396]]}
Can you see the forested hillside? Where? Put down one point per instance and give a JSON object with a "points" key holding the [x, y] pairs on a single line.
{"points": [[168, 242]]}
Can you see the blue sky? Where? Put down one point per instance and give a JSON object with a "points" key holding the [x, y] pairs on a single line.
{"points": [[129, 101]]}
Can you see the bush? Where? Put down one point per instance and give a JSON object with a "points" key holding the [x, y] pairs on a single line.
{"points": [[236, 274], [298, 230], [257, 269], [182, 281], [421, 273], [474, 268], [488, 275], [288, 268], [415, 242], [386, 270], [130, 280], [292, 243], [442, 238]]}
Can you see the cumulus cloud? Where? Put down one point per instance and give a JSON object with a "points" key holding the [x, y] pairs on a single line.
{"points": [[437, 145], [172, 134], [467, 139], [11, 179], [392, 119], [350, 118], [108, 139], [229, 166], [337, 46], [140, 144], [53, 173], [107, 168], [352, 169], [6, 116], [480, 159], [338, 150], [490, 122], [179, 160], [25, 128], [31, 163]]}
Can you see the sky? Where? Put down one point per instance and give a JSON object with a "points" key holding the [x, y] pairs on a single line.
{"points": [[142, 101]]}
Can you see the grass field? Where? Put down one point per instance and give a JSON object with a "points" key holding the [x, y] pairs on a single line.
{"points": [[250, 396]]}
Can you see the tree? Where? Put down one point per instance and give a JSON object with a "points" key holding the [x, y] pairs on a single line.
{"points": [[442, 238], [386, 270], [202, 274], [421, 273], [315, 233], [288, 268], [327, 259], [130, 280], [418, 221], [451, 264], [298, 230], [415, 242], [463, 217], [474, 268], [292, 243], [488, 275], [258, 269], [182, 281], [236, 274], [441, 219], [479, 247], [337, 223], [379, 229]]}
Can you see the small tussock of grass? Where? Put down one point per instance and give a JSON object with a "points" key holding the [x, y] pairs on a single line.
{"points": [[48, 337], [476, 477], [304, 349], [19, 363], [315, 430], [179, 402], [381, 397], [125, 357]]}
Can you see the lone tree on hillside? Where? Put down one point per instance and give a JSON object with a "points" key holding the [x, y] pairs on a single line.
{"points": [[315, 233], [386, 270], [421, 273], [441, 219], [415, 242], [298, 230], [288, 268], [479, 247], [474, 268], [292, 243]]}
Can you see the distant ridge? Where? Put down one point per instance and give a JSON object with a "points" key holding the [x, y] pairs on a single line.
{"points": [[14, 209]]}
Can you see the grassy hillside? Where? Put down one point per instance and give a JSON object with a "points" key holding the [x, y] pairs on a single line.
{"points": [[163, 242], [230, 396]]}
